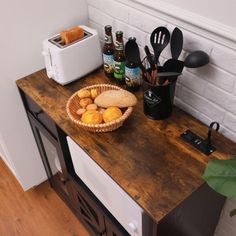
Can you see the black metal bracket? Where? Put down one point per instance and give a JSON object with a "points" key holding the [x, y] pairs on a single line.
{"points": [[203, 145]]}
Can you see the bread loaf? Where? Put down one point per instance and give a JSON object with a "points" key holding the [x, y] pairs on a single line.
{"points": [[116, 98], [71, 35]]}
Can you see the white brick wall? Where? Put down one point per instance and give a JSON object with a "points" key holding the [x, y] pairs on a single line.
{"points": [[207, 93]]}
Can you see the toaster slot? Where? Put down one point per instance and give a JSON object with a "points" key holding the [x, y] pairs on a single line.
{"points": [[56, 40]]}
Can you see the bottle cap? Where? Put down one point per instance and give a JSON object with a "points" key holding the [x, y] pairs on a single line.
{"points": [[132, 39], [108, 27], [119, 33]]}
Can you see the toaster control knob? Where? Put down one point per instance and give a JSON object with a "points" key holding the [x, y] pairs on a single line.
{"points": [[132, 225]]}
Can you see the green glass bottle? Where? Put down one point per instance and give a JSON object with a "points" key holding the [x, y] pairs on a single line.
{"points": [[119, 59]]}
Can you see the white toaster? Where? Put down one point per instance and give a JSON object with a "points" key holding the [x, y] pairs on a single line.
{"points": [[66, 63]]}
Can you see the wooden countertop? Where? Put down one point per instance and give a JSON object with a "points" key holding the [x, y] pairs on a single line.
{"points": [[145, 157]]}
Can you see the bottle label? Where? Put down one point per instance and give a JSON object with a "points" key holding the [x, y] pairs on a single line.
{"points": [[132, 76], [119, 70], [108, 63], [119, 45], [108, 38]]}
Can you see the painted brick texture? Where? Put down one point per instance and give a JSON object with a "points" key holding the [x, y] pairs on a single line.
{"points": [[207, 93]]}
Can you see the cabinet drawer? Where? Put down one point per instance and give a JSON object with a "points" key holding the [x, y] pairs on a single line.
{"points": [[88, 210], [39, 114]]}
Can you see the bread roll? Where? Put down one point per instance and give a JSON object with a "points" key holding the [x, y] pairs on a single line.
{"points": [[116, 98], [71, 35], [83, 93], [111, 113], [92, 107], [80, 111], [94, 93], [92, 117], [84, 102]]}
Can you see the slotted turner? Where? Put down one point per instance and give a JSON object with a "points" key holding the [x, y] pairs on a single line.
{"points": [[159, 39]]}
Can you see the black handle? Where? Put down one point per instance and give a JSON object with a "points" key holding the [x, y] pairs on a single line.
{"points": [[210, 131], [149, 57]]}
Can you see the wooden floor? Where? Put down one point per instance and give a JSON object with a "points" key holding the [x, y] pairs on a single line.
{"points": [[37, 212]]}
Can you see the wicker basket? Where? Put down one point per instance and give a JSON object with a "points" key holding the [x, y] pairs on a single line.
{"points": [[73, 105]]}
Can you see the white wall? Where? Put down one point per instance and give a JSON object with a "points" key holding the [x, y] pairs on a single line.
{"points": [[222, 11], [219, 11], [24, 25]]}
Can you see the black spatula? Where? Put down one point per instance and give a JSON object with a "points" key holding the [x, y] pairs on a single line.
{"points": [[159, 39], [176, 43], [176, 46]]}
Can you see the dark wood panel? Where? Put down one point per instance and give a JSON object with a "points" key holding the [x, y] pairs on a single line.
{"points": [[198, 215], [88, 210], [113, 230], [39, 114], [145, 157]]}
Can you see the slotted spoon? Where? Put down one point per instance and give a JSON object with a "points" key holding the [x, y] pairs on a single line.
{"points": [[159, 39]]}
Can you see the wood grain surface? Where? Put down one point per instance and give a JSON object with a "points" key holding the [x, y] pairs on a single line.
{"points": [[37, 212], [146, 158]]}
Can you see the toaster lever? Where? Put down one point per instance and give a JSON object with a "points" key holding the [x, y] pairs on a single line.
{"points": [[48, 63]]}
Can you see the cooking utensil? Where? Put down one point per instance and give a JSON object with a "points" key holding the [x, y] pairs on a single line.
{"points": [[176, 43], [148, 75], [193, 60], [153, 68], [159, 39], [173, 65], [168, 74], [196, 59], [132, 54], [149, 57], [176, 46]]}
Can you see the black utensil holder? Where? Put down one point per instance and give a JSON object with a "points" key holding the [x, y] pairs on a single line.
{"points": [[158, 100]]}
